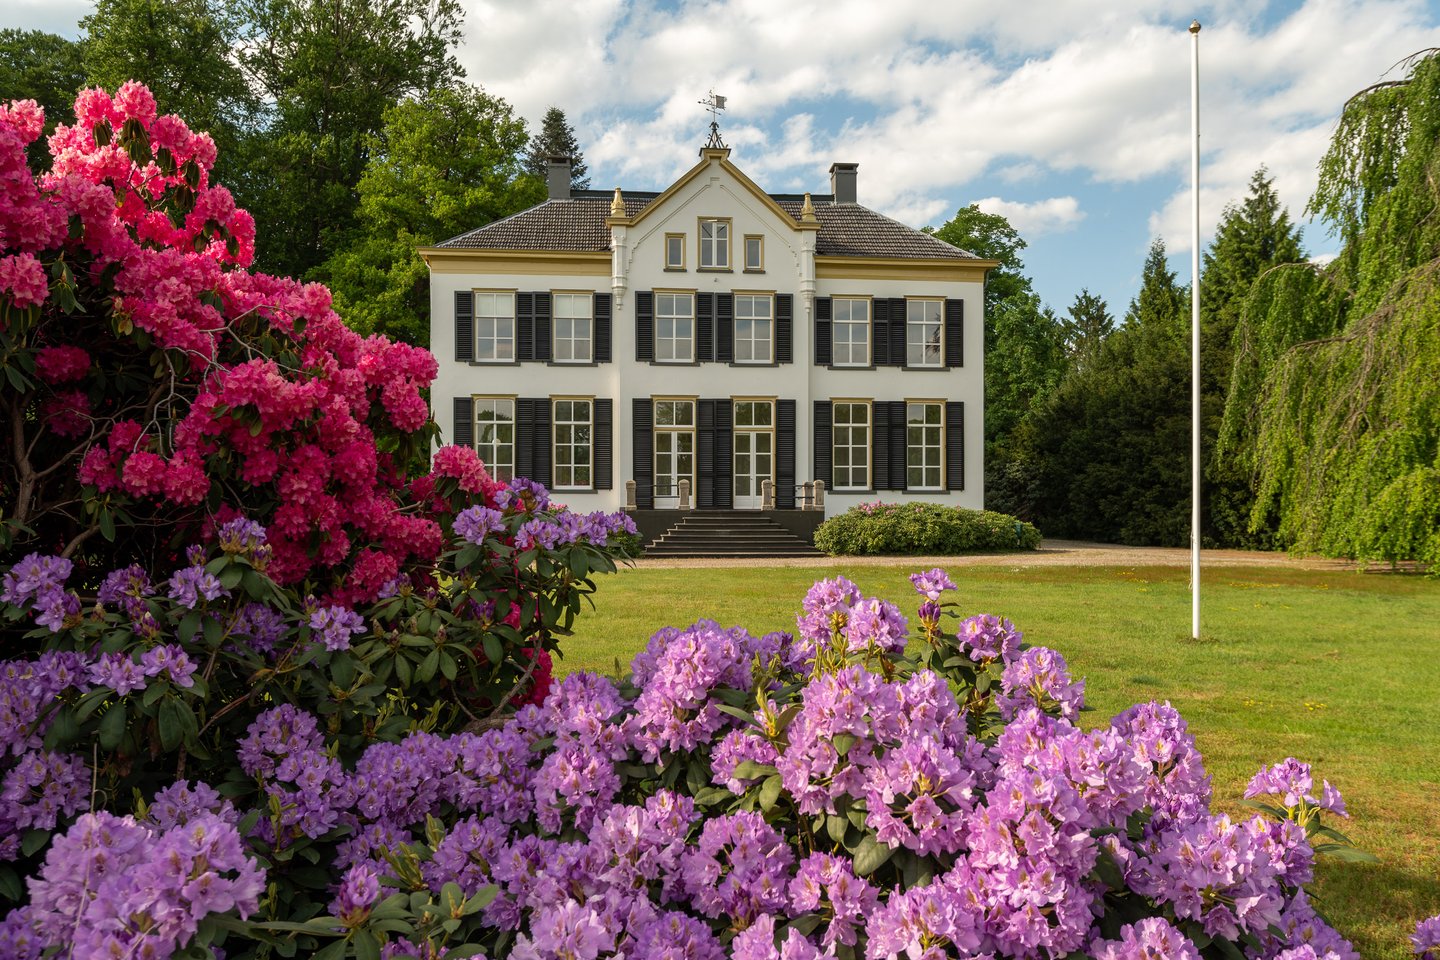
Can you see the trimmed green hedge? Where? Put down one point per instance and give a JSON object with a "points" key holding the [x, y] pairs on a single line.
{"points": [[922, 528]]}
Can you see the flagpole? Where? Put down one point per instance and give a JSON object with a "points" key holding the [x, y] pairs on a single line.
{"points": [[1195, 330]]}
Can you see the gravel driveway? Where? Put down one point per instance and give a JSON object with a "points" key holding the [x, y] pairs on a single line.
{"points": [[1051, 553]]}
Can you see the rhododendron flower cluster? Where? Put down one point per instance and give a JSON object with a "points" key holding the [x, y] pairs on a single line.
{"points": [[771, 797], [125, 254]]}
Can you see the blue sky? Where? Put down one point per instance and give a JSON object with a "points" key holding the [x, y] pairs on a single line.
{"points": [[1071, 118]]}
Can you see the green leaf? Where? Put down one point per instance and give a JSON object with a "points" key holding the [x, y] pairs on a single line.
{"points": [[172, 727], [738, 713], [427, 668], [107, 524], [843, 742], [112, 726], [870, 856], [753, 770], [367, 946], [770, 792], [494, 652], [33, 841]]}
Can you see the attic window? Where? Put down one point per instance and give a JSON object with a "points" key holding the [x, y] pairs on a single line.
{"points": [[714, 244], [674, 251], [754, 253]]}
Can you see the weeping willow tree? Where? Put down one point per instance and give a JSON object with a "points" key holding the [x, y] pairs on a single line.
{"points": [[1335, 393]]}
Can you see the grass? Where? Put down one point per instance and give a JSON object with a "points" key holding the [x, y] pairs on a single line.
{"points": [[1336, 668]]}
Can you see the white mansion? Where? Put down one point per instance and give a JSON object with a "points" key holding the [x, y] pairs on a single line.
{"points": [[713, 333]]}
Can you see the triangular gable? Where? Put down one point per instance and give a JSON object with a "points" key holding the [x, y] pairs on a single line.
{"points": [[722, 156]]}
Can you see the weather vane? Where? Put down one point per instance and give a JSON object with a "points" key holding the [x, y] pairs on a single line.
{"points": [[713, 104]]}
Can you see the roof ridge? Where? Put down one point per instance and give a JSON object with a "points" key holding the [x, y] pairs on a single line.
{"points": [[916, 230]]}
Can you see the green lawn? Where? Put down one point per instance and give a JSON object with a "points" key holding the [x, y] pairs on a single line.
{"points": [[1339, 669]]}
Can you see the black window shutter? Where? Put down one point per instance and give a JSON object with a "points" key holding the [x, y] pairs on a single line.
{"points": [[525, 437], [725, 329], [954, 445], [785, 454], [704, 327], [603, 450], [644, 326], [464, 326], [879, 445], [879, 333], [542, 326], [603, 306], [899, 452], [824, 443], [724, 454], [705, 454], [955, 333], [824, 354], [524, 326], [463, 430], [642, 462], [784, 328], [540, 471], [898, 321]]}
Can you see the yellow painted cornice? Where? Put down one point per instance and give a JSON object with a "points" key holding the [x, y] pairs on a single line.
{"points": [[528, 262], [896, 268]]}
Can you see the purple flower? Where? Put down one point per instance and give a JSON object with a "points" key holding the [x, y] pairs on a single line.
{"points": [[260, 625], [126, 587], [983, 637], [55, 606], [171, 660], [190, 585], [358, 893], [474, 523], [1040, 678], [739, 867], [1427, 939], [932, 583], [878, 624], [25, 580], [1151, 937], [119, 672], [336, 625]]}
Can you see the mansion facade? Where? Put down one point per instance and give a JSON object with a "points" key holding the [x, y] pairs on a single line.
{"points": [[716, 334]]}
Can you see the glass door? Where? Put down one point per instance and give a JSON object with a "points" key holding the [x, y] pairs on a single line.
{"points": [[754, 451], [674, 451]]}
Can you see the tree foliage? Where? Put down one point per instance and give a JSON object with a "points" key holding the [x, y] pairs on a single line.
{"points": [[1088, 325], [328, 68], [1108, 449], [446, 161], [1252, 238], [1334, 396], [556, 138]]}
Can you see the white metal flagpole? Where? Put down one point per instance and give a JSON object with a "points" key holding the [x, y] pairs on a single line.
{"points": [[1195, 331]]}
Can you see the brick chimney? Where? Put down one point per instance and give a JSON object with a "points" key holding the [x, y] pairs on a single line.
{"points": [[842, 181], [557, 176]]}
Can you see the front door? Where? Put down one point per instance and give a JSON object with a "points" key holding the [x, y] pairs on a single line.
{"points": [[754, 451]]}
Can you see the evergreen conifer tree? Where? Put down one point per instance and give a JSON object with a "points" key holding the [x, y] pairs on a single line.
{"points": [[556, 138]]}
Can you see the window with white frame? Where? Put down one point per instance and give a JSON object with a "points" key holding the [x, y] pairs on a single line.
{"points": [[674, 251], [495, 435], [674, 446], [572, 423], [572, 326], [924, 429], [754, 327], [674, 327], [495, 327], [715, 244], [850, 332], [755, 253], [851, 451], [923, 322]]}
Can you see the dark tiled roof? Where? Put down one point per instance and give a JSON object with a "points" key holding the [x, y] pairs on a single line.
{"points": [[578, 225]]}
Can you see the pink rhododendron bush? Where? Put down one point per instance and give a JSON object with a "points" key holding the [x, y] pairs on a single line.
{"points": [[157, 387]]}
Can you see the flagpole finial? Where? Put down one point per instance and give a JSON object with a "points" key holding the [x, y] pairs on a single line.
{"points": [[1194, 26]]}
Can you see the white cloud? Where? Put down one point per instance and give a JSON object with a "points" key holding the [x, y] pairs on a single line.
{"points": [[1036, 219]]}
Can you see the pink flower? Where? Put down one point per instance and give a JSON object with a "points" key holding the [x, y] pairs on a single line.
{"points": [[23, 277], [135, 102], [68, 414], [143, 474], [61, 364]]}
